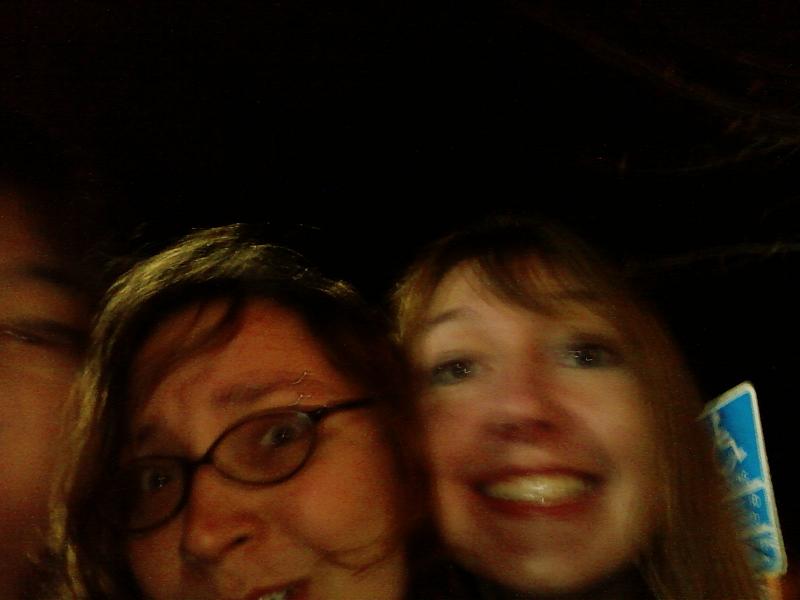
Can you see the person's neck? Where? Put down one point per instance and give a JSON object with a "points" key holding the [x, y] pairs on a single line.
{"points": [[628, 585]]}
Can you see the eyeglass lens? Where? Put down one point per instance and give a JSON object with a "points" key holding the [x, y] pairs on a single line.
{"points": [[266, 449]]}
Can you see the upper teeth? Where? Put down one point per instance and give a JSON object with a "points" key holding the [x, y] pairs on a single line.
{"points": [[282, 595], [543, 489]]}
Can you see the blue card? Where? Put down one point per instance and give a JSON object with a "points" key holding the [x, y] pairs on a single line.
{"points": [[733, 420]]}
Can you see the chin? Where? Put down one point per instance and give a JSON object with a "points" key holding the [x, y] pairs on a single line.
{"points": [[540, 574], [536, 582]]}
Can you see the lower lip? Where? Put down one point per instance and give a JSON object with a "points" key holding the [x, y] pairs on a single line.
{"points": [[522, 509]]}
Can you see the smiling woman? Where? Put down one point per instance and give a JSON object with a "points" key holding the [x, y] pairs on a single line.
{"points": [[559, 425], [232, 443]]}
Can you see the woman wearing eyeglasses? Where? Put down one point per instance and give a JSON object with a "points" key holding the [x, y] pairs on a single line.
{"points": [[230, 443]]}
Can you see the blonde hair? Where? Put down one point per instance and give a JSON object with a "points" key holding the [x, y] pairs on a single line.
{"points": [[696, 554]]}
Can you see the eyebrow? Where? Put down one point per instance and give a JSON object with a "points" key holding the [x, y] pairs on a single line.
{"points": [[55, 275], [242, 394], [238, 394], [454, 314], [49, 274]]}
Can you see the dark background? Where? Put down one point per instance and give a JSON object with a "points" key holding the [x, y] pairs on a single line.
{"points": [[667, 132]]}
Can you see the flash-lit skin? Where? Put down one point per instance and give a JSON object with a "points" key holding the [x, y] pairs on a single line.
{"points": [[332, 526], [42, 322], [507, 392]]}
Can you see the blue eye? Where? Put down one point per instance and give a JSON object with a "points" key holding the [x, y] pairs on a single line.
{"points": [[452, 372], [590, 355]]}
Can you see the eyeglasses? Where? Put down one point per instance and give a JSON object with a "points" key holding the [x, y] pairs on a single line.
{"points": [[264, 448]]}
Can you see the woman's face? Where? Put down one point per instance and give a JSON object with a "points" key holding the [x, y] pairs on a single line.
{"points": [[327, 532], [43, 323], [538, 438]]}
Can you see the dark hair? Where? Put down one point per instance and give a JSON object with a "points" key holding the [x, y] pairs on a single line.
{"points": [[223, 263]]}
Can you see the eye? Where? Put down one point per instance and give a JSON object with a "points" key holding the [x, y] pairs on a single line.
{"points": [[282, 434], [151, 480], [44, 334], [22, 336], [590, 355], [145, 493], [452, 372]]}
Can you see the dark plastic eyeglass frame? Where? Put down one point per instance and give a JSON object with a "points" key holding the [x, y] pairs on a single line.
{"points": [[189, 467]]}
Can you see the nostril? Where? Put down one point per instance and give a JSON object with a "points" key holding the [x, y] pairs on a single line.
{"points": [[523, 430], [189, 558], [206, 554]]}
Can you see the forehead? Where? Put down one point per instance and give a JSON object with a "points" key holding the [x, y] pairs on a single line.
{"points": [[528, 283], [19, 238], [32, 277], [198, 355]]}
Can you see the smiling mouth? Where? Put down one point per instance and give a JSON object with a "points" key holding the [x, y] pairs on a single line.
{"points": [[541, 489], [291, 592], [279, 595]]}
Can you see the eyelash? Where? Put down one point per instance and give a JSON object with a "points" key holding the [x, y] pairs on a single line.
{"points": [[23, 336], [47, 339], [452, 372], [591, 355]]}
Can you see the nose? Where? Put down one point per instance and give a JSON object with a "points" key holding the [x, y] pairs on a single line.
{"points": [[526, 406], [218, 519]]}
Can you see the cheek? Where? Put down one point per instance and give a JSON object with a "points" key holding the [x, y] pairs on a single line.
{"points": [[155, 562], [637, 443], [349, 498], [453, 446], [646, 475], [30, 411], [629, 438], [621, 418], [451, 433]]}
